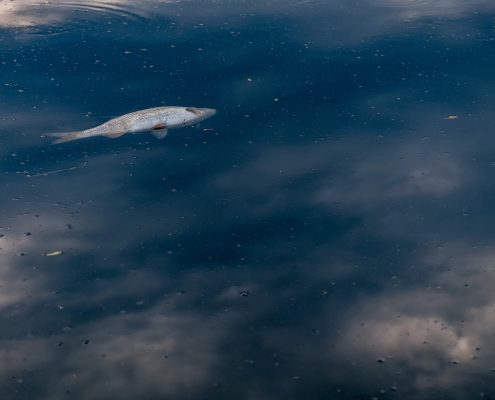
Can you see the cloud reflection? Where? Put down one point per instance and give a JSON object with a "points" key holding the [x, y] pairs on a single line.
{"points": [[441, 331], [412, 9], [432, 316], [126, 273], [31, 13], [15, 286], [155, 353], [204, 261]]}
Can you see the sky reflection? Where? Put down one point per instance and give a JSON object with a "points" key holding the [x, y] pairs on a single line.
{"points": [[327, 234]]}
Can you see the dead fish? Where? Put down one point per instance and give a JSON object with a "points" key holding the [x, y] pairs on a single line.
{"points": [[157, 120]]}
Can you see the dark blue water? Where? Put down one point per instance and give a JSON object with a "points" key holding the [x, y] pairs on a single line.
{"points": [[329, 234]]}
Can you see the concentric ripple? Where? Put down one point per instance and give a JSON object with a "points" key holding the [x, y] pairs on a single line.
{"points": [[31, 13]]}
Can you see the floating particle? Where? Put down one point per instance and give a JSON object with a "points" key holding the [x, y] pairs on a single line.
{"points": [[54, 253]]}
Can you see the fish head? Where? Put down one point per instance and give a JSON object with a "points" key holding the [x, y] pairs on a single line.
{"points": [[200, 114], [176, 117]]}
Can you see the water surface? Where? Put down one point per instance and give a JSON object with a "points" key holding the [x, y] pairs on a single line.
{"points": [[327, 235]]}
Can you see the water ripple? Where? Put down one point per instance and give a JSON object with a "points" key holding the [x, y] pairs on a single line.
{"points": [[29, 13], [122, 9]]}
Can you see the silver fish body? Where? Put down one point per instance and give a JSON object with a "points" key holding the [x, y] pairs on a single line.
{"points": [[157, 119]]}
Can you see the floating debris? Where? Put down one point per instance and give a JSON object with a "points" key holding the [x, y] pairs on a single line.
{"points": [[29, 175], [451, 117], [54, 253]]}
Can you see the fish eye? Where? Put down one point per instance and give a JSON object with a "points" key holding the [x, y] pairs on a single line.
{"points": [[193, 110]]}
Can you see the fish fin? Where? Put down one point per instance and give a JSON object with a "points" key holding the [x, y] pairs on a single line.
{"points": [[160, 134], [63, 137], [114, 135], [159, 127]]}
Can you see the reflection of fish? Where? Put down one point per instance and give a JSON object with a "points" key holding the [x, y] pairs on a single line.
{"points": [[157, 119]]}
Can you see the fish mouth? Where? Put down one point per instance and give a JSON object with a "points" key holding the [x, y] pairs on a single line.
{"points": [[207, 112]]}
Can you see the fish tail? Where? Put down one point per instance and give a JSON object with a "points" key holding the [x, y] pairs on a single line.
{"points": [[63, 137]]}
